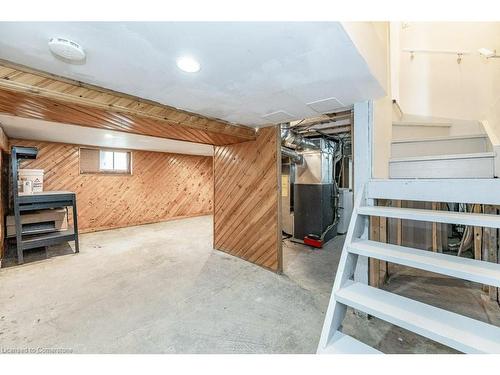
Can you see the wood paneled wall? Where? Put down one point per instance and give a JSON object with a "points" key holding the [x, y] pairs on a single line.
{"points": [[246, 202], [163, 186]]}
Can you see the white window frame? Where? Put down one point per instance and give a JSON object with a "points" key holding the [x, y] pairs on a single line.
{"points": [[127, 170], [99, 170]]}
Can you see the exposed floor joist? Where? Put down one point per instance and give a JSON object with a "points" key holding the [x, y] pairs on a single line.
{"points": [[323, 119], [329, 131], [35, 84]]}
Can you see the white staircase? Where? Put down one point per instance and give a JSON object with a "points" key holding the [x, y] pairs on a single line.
{"points": [[453, 330], [436, 149]]}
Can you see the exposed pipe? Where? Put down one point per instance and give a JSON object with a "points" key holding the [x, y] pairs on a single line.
{"points": [[294, 156], [294, 141]]}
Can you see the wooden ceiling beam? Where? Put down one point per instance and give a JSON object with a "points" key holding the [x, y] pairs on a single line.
{"points": [[330, 131], [28, 106], [20, 79], [323, 119]]}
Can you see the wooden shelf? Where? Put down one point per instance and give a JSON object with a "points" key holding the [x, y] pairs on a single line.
{"points": [[41, 237], [34, 231], [47, 239]]}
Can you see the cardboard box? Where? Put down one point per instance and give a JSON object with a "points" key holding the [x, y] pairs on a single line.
{"points": [[44, 220]]}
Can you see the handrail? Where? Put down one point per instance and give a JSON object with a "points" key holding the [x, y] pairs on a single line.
{"points": [[443, 51], [460, 54], [395, 102]]}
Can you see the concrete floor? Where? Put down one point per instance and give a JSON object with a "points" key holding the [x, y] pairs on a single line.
{"points": [[161, 288]]}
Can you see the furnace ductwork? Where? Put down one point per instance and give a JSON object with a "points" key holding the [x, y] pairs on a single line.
{"points": [[294, 141], [294, 156]]}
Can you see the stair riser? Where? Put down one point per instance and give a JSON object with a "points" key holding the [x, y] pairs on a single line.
{"points": [[450, 168], [439, 147], [478, 220], [412, 132]]}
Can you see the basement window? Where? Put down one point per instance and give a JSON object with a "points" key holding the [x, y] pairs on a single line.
{"points": [[105, 161]]}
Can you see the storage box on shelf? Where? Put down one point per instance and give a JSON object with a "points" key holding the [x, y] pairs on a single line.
{"points": [[42, 221]]}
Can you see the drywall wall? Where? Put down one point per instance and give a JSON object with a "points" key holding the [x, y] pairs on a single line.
{"points": [[373, 43], [246, 201], [382, 110], [434, 84], [372, 47], [248, 70], [162, 186]]}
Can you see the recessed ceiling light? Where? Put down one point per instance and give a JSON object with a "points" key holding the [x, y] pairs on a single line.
{"points": [[188, 64], [67, 49]]}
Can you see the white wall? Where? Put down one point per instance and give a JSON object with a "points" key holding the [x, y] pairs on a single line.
{"points": [[366, 38], [372, 41], [395, 48], [382, 110], [435, 85]]}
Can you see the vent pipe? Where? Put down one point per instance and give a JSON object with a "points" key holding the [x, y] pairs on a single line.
{"points": [[295, 141], [294, 156]]}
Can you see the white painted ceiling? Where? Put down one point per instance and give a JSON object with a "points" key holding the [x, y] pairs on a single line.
{"points": [[21, 128], [251, 73]]}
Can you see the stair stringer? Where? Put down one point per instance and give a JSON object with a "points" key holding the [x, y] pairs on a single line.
{"points": [[451, 329], [336, 311]]}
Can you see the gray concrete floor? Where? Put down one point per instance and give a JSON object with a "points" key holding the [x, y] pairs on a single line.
{"points": [[161, 288]]}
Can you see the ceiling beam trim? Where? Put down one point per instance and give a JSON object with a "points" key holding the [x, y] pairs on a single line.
{"points": [[27, 81]]}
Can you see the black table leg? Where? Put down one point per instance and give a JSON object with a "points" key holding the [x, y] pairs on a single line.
{"points": [[75, 225], [19, 236]]}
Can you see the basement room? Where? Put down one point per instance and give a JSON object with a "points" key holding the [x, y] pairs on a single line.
{"points": [[248, 188]]}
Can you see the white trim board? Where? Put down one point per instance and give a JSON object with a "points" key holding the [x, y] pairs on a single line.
{"points": [[477, 155], [484, 191], [443, 124], [440, 138]]}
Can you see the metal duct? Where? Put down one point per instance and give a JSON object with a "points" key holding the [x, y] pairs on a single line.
{"points": [[294, 141], [294, 156]]}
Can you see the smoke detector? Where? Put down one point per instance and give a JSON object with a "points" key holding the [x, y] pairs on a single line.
{"points": [[67, 49]]}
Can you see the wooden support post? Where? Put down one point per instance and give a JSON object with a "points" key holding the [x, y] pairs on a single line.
{"points": [[384, 266], [498, 255], [399, 227], [437, 231], [374, 264], [434, 230], [492, 254], [478, 235], [485, 253]]}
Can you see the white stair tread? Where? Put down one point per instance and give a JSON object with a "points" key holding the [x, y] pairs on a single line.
{"points": [[449, 217], [344, 344], [456, 331], [440, 138], [477, 155], [450, 265]]}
